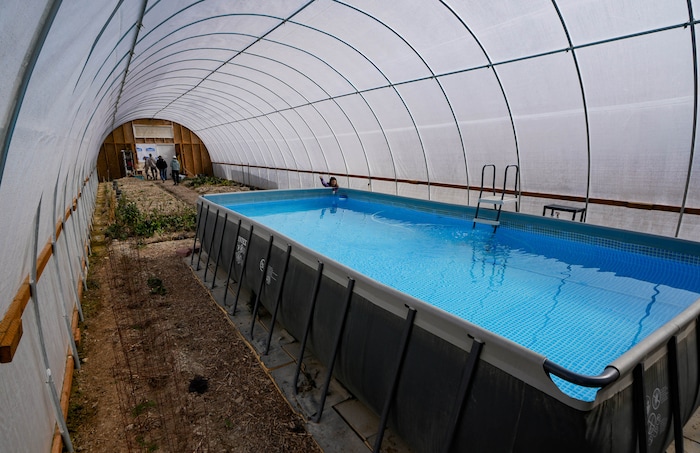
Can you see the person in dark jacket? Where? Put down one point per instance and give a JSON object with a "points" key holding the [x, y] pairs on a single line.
{"points": [[162, 167]]}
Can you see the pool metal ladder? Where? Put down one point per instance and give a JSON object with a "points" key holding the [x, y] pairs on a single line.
{"points": [[497, 197]]}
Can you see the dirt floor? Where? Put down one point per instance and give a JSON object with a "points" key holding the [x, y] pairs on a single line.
{"points": [[162, 367]]}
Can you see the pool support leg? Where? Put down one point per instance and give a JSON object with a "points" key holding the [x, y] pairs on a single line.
{"points": [[697, 358], [233, 257], [278, 299], [211, 246], [256, 306], [314, 295], [406, 336], [674, 385], [196, 232], [218, 254], [201, 241], [463, 392], [243, 266], [640, 419], [336, 347]]}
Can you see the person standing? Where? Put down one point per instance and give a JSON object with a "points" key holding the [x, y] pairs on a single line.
{"points": [[162, 166], [145, 167], [152, 166], [175, 170]]}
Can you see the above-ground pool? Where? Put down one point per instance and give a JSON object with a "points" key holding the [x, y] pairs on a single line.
{"points": [[541, 335]]}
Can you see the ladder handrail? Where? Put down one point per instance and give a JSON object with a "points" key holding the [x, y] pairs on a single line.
{"points": [[503, 191], [515, 184], [493, 181]]}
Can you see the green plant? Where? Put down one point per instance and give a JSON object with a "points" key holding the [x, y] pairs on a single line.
{"points": [[142, 407], [149, 446], [202, 180], [156, 286], [130, 221]]}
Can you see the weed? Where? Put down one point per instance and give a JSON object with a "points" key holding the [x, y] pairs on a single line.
{"points": [[149, 446], [156, 286], [204, 180], [142, 407], [130, 221]]}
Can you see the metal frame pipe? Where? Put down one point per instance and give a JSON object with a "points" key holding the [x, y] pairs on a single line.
{"points": [[230, 264], [218, 254], [200, 206], [278, 298], [405, 337], [309, 320], [336, 348], [243, 268], [211, 246], [258, 295]]}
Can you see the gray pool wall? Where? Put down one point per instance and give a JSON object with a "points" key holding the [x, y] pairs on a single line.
{"points": [[510, 402]]}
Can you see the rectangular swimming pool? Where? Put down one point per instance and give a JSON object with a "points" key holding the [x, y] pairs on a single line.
{"points": [[577, 312], [579, 303]]}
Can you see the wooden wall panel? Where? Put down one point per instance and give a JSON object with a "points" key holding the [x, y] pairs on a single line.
{"points": [[177, 133], [191, 151]]}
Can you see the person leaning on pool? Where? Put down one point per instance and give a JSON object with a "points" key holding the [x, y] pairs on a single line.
{"points": [[331, 182]]}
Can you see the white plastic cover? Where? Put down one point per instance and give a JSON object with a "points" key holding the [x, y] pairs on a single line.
{"points": [[596, 101]]}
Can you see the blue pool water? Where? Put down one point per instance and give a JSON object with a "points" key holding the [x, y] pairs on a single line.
{"points": [[580, 305]]}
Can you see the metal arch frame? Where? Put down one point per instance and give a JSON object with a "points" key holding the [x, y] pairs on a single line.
{"points": [[252, 116], [282, 99], [109, 76], [498, 80], [334, 100], [227, 111], [263, 38], [312, 105], [251, 135], [331, 98], [138, 80], [437, 80], [691, 158], [691, 23], [142, 82], [281, 22], [389, 85], [17, 98], [267, 129], [94, 43], [254, 95], [129, 57], [280, 152], [585, 106]]}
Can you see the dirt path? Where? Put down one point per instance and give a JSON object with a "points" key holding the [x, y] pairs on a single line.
{"points": [[163, 369]]}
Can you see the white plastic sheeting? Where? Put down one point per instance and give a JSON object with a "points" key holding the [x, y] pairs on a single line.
{"points": [[595, 100]]}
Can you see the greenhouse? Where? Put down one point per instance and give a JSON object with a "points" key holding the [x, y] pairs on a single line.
{"points": [[569, 115]]}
